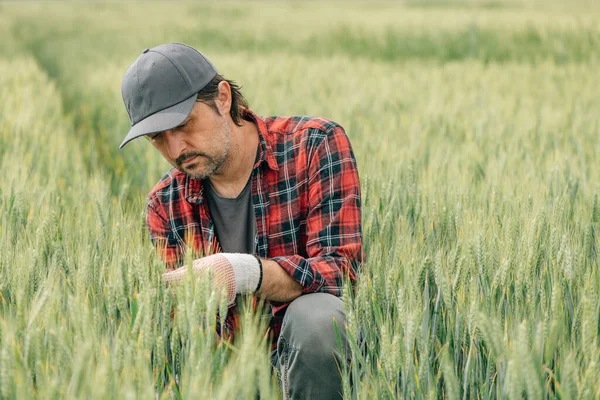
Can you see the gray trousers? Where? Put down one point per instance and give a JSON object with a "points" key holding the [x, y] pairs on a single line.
{"points": [[307, 354]]}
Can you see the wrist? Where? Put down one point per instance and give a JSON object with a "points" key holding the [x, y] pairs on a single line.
{"points": [[247, 270], [260, 278]]}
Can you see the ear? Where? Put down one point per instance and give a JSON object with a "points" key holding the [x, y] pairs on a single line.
{"points": [[223, 100]]}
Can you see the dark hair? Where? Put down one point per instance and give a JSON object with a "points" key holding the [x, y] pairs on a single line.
{"points": [[209, 93]]}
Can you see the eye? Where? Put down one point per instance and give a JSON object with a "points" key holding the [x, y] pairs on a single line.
{"points": [[156, 137]]}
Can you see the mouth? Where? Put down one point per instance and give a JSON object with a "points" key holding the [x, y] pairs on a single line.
{"points": [[189, 160]]}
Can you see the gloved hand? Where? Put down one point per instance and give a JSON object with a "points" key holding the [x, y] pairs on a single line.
{"points": [[235, 272]]}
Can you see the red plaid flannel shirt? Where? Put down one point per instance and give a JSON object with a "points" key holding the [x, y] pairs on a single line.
{"points": [[307, 203]]}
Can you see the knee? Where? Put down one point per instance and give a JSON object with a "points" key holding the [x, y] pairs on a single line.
{"points": [[313, 322]]}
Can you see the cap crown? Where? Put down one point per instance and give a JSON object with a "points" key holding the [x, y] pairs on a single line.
{"points": [[162, 77]]}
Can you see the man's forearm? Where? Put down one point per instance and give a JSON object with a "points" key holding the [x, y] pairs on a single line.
{"points": [[277, 285], [240, 273]]}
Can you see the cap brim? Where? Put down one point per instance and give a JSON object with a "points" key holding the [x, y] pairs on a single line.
{"points": [[162, 120]]}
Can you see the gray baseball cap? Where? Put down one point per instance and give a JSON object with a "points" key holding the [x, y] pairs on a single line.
{"points": [[159, 89]]}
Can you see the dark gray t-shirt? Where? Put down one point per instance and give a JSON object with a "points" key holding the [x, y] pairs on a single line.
{"points": [[235, 224]]}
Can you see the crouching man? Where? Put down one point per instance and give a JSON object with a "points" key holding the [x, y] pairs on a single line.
{"points": [[273, 204]]}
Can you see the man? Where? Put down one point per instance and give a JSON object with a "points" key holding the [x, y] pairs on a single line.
{"points": [[270, 206]]}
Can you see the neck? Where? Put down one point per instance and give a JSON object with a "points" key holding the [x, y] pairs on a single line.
{"points": [[236, 171]]}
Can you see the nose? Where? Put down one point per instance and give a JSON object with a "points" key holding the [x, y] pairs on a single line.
{"points": [[173, 143]]}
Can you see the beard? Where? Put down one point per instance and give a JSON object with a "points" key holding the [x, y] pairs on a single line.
{"points": [[213, 163]]}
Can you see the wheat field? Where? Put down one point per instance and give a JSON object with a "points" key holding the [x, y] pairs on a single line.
{"points": [[476, 127]]}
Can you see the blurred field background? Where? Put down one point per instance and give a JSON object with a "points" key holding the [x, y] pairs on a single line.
{"points": [[476, 127]]}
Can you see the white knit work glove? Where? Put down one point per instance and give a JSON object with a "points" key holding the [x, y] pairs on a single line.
{"points": [[235, 272]]}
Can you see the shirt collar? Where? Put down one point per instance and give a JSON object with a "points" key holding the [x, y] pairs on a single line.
{"points": [[194, 190], [266, 151]]}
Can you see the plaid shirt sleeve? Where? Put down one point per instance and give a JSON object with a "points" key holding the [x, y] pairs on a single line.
{"points": [[161, 235], [334, 236]]}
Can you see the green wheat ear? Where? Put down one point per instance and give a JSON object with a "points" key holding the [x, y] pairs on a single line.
{"points": [[596, 209]]}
